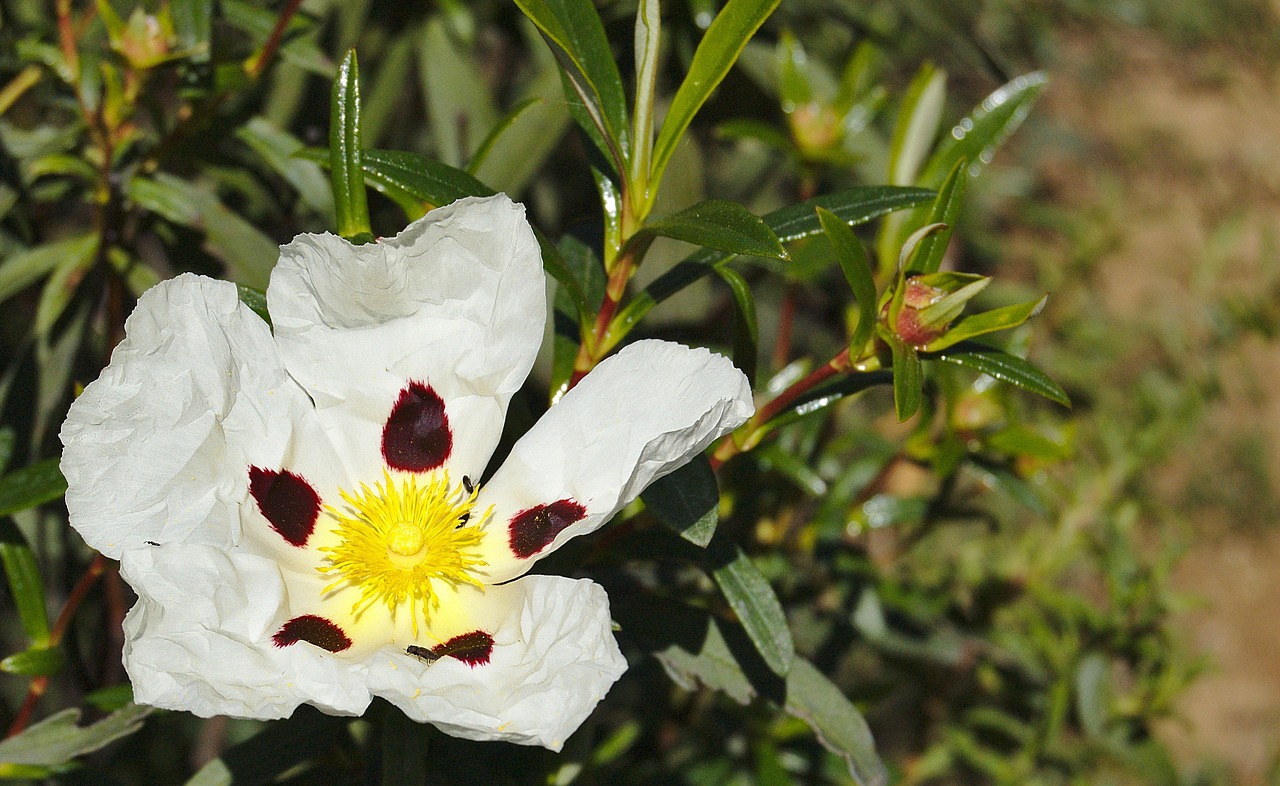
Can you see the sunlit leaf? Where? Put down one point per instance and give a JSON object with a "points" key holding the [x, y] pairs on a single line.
{"points": [[987, 322], [737, 21], [1004, 367], [917, 124], [22, 269], [30, 486], [907, 379], [753, 600], [25, 583], [346, 171], [720, 225], [857, 271], [34, 662], [977, 137], [945, 210]]}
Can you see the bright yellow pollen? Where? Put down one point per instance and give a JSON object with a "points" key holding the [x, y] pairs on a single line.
{"points": [[398, 539]]}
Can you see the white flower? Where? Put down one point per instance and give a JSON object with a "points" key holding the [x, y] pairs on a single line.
{"points": [[297, 508]]}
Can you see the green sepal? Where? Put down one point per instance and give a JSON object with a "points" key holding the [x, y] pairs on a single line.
{"points": [[987, 322]]}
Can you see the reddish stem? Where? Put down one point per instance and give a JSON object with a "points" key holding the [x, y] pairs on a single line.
{"points": [[786, 321], [274, 40]]}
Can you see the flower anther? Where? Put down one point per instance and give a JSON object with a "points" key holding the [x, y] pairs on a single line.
{"points": [[400, 540], [293, 503]]}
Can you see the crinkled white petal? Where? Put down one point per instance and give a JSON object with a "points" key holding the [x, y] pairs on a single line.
{"points": [[158, 447], [636, 417], [457, 301], [553, 660], [199, 639]]}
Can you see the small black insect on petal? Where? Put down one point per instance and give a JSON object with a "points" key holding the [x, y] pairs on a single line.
{"points": [[467, 484], [422, 653]]}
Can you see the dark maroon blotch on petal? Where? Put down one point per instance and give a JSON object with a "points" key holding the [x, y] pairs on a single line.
{"points": [[287, 501], [472, 648], [532, 530], [314, 630], [416, 437]]}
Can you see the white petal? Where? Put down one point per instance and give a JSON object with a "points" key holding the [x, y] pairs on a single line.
{"points": [[199, 639], [159, 447], [456, 301], [636, 417], [554, 658]]}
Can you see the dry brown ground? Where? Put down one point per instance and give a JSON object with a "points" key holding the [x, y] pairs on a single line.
{"points": [[1184, 160]]}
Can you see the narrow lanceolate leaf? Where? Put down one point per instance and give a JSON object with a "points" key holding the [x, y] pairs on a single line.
{"points": [[687, 500], [987, 322], [256, 300], [838, 724], [38, 661], [345, 170], [57, 739], [945, 211], [746, 330], [24, 268], [1005, 367], [25, 584], [721, 226], [647, 38], [857, 271], [917, 124], [977, 137], [907, 379], [753, 600], [575, 34], [854, 206], [61, 287], [720, 47], [32, 485], [500, 129], [414, 182], [696, 649], [277, 149]]}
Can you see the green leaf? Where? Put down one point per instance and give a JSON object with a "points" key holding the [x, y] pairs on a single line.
{"points": [[57, 739], [278, 148], [696, 649], [945, 210], [716, 53], [459, 105], [193, 26], [857, 271], [61, 287], [824, 396], [720, 225], [346, 171], [504, 126], [976, 137], [30, 486], [648, 36], [987, 322], [746, 330], [840, 727], [573, 314], [136, 275], [255, 299], [1001, 365], [35, 662], [917, 124], [248, 253], [25, 583], [907, 379], [753, 600], [573, 30], [22, 269], [687, 500], [854, 206], [280, 746], [427, 180]]}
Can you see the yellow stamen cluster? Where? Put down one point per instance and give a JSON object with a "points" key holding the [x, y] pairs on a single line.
{"points": [[398, 539]]}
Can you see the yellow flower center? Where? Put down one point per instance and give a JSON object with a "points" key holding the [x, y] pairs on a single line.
{"points": [[401, 539]]}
